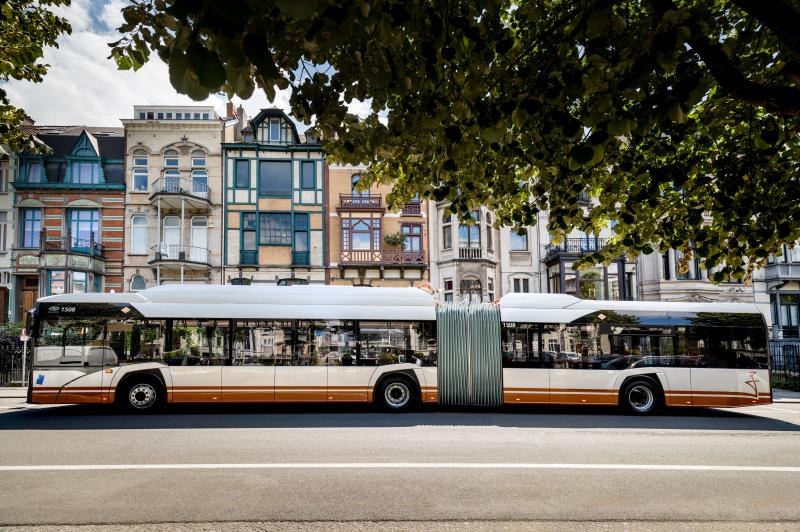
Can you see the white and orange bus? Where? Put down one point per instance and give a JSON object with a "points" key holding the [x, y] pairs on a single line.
{"points": [[395, 347]]}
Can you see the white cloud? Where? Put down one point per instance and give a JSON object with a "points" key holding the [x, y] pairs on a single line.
{"points": [[84, 87]]}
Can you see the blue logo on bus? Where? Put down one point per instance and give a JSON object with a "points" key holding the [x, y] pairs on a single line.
{"points": [[40, 378]]}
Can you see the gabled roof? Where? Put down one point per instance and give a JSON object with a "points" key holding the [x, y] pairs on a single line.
{"points": [[274, 112], [107, 142]]}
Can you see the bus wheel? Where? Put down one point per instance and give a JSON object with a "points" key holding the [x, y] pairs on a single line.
{"points": [[396, 394], [140, 394], [641, 397]]}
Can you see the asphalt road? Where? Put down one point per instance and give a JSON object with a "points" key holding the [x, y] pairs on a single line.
{"points": [[74, 464]]}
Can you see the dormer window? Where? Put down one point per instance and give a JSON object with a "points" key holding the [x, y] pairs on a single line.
{"points": [[85, 172], [274, 129], [32, 172]]}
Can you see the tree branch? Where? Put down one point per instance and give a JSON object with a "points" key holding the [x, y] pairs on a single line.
{"points": [[779, 17]]}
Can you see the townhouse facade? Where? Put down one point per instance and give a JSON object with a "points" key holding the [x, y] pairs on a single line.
{"points": [[173, 196], [274, 203], [7, 159], [368, 244], [69, 206]]}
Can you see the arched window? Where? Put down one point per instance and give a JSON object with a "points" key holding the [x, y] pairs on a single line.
{"points": [[470, 290], [171, 159], [447, 230], [139, 231], [140, 177], [354, 179], [137, 283], [198, 159]]}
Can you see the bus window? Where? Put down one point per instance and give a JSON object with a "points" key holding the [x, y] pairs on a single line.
{"points": [[396, 342], [65, 342], [529, 345], [134, 341], [333, 342], [198, 343]]}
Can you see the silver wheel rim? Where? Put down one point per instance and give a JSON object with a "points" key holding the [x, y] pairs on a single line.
{"points": [[397, 395], [641, 398], [142, 396]]}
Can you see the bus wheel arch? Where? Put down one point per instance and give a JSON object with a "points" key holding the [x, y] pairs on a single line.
{"points": [[397, 391], [141, 391], [642, 395]]}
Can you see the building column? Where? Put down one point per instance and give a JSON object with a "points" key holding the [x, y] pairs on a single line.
{"points": [[777, 323], [158, 243], [672, 268], [182, 249]]}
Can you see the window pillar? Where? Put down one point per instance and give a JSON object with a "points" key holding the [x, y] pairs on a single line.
{"points": [[672, 274]]}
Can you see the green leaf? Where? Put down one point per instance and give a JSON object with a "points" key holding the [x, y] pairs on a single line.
{"points": [[298, 9]]}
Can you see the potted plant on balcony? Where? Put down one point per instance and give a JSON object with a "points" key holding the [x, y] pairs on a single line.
{"points": [[395, 241]]}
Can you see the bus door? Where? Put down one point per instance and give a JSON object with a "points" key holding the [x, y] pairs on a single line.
{"points": [[196, 353], [527, 355], [351, 363], [301, 374], [250, 377]]}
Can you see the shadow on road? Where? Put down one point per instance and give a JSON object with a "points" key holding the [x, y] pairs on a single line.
{"points": [[83, 417]]}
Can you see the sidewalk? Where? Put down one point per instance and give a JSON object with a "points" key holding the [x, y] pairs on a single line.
{"points": [[13, 392], [785, 396]]}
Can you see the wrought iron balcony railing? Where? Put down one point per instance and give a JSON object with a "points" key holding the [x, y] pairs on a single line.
{"points": [[412, 208], [360, 201], [180, 185], [378, 257], [576, 246], [176, 253], [70, 244]]}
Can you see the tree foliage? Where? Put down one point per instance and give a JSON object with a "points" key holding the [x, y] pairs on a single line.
{"points": [[26, 27], [680, 116]]}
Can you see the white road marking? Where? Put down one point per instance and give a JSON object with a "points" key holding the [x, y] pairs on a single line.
{"points": [[404, 465]]}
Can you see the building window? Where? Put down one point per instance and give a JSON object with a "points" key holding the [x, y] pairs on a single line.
{"points": [[32, 172], [470, 290], [197, 116], [489, 240], [490, 288], [85, 173], [137, 283], [84, 226], [300, 249], [413, 234], [198, 251], [241, 173], [554, 278], [447, 230], [521, 286], [161, 116], [169, 116], [3, 231], [31, 228], [205, 116], [790, 315], [665, 265], [198, 159], [79, 282], [361, 234], [519, 242], [171, 159], [56, 282], [3, 180], [200, 183], [275, 178], [142, 115], [469, 235], [276, 229], [275, 130], [693, 273], [448, 290], [139, 229], [140, 175], [308, 178]]}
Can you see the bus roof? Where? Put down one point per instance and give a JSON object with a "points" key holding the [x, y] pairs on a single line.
{"points": [[563, 308], [268, 302]]}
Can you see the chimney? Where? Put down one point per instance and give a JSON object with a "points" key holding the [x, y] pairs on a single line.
{"points": [[231, 112]]}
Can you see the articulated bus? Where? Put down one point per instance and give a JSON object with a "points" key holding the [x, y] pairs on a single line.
{"points": [[395, 347]]}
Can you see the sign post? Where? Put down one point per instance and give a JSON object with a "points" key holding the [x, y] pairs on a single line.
{"points": [[23, 337]]}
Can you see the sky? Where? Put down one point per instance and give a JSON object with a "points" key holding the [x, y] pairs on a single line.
{"points": [[84, 87]]}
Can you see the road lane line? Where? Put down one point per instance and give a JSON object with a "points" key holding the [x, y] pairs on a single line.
{"points": [[404, 465]]}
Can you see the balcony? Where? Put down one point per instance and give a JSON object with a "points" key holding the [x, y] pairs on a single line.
{"points": [[248, 257], [363, 202], [191, 256], [68, 244], [378, 258], [574, 246], [782, 272], [469, 253], [412, 209], [170, 191]]}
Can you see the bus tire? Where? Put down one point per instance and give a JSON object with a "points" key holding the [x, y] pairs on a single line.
{"points": [[641, 397], [140, 394], [396, 393]]}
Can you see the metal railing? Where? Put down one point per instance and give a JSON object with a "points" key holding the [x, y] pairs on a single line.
{"points": [[181, 185], [412, 208], [576, 245], [248, 256], [469, 253], [355, 201], [69, 244], [785, 364], [12, 368], [383, 257], [176, 252], [300, 258]]}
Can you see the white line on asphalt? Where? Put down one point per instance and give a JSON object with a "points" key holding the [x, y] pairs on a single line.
{"points": [[404, 465]]}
